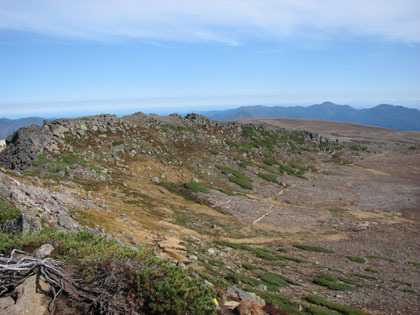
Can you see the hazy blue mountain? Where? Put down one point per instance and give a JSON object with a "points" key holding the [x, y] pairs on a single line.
{"points": [[8, 126], [387, 116]]}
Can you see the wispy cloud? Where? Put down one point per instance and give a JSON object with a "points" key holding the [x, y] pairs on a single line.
{"points": [[225, 21]]}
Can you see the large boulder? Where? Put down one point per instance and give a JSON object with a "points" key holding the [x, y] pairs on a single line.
{"points": [[32, 297], [24, 224]]}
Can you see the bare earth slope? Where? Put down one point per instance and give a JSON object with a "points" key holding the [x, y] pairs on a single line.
{"points": [[193, 189]]}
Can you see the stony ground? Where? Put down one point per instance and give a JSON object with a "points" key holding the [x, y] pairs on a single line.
{"points": [[159, 182]]}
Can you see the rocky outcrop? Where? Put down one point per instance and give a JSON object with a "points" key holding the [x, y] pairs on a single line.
{"points": [[36, 202], [24, 146], [24, 224]]}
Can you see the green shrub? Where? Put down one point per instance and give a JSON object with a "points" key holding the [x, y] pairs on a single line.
{"points": [[7, 212], [215, 262], [359, 260], [415, 264], [270, 162], [227, 171], [242, 182], [41, 160], [264, 253], [330, 282], [313, 248], [276, 279], [249, 267], [343, 309], [197, 187], [214, 152], [363, 276], [380, 257], [117, 142], [269, 177], [371, 270], [239, 278], [278, 264]]}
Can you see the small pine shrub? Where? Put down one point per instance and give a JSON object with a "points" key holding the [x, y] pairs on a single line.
{"points": [[249, 267], [242, 182], [313, 248], [197, 187], [343, 309], [330, 282], [7, 212], [269, 177], [356, 259], [277, 279]]}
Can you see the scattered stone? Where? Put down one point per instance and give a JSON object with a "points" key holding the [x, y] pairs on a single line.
{"points": [[212, 251], [193, 257], [44, 251], [261, 287], [155, 180], [244, 295], [181, 265]]}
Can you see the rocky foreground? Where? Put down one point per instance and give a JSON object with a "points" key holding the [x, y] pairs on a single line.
{"points": [[273, 220]]}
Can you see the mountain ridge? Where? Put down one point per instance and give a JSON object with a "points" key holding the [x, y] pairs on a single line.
{"points": [[8, 126], [383, 115]]}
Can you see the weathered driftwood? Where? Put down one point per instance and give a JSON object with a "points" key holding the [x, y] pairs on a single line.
{"points": [[99, 295]]}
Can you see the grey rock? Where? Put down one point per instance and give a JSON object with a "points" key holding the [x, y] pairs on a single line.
{"points": [[193, 257], [24, 224], [44, 251], [261, 287], [155, 180], [212, 251], [65, 222], [244, 295], [181, 265]]}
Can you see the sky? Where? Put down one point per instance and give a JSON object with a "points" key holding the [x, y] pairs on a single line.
{"points": [[61, 58]]}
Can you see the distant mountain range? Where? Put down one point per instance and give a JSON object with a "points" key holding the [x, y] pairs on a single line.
{"points": [[8, 126], [387, 116]]}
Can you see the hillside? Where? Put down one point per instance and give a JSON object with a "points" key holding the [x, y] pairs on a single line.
{"points": [[387, 116], [8, 126], [307, 222]]}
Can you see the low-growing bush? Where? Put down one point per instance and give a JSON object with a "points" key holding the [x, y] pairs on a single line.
{"points": [[276, 279], [197, 187], [330, 282], [313, 248], [269, 177], [249, 267], [359, 260], [343, 309], [7, 212], [242, 182]]}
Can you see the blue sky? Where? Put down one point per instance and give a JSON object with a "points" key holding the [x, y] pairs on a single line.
{"points": [[70, 58]]}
